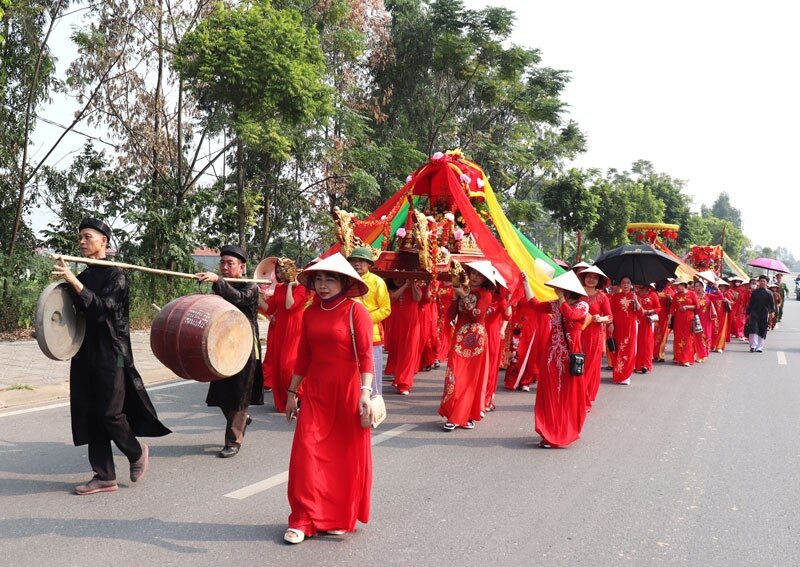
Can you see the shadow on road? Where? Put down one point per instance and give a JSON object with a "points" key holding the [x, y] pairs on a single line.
{"points": [[149, 531]]}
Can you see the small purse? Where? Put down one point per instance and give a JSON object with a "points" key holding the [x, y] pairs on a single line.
{"points": [[577, 360], [697, 326], [611, 344], [376, 402], [577, 363]]}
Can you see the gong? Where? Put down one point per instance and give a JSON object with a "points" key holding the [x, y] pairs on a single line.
{"points": [[59, 327]]}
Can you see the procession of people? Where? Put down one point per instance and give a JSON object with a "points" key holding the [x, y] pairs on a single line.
{"points": [[331, 324]]}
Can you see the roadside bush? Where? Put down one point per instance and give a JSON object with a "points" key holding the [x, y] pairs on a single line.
{"points": [[22, 279]]}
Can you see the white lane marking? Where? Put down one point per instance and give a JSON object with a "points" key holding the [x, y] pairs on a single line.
{"points": [[386, 435], [781, 357], [31, 410], [261, 486], [278, 479], [65, 404], [170, 385]]}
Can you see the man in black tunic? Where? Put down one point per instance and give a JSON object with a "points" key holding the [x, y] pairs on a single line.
{"points": [[233, 395], [108, 401], [759, 308]]}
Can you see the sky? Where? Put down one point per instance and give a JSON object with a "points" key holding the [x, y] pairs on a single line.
{"points": [[707, 91]]}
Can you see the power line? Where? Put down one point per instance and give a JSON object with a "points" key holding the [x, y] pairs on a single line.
{"points": [[88, 136]]}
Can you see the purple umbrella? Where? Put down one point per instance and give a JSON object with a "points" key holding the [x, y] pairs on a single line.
{"points": [[769, 264]]}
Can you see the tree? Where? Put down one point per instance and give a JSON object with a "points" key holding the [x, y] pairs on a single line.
{"points": [[721, 232], [571, 203], [26, 79], [722, 209], [257, 73], [90, 187], [614, 205], [464, 86], [3, 5], [146, 111], [677, 205]]}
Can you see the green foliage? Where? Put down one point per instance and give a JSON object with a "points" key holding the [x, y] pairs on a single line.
{"points": [[3, 5], [27, 76], [677, 205], [572, 205], [466, 87], [724, 210], [615, 207], [23, 276], [715, 231], [255, 70], [89, 187]]}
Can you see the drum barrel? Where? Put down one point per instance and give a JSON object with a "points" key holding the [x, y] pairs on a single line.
{"points": [[201, 337]]}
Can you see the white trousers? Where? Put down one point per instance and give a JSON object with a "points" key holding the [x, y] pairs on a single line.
{"points": [[756, 341]]}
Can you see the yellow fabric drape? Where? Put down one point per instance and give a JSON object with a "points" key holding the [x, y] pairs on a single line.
{"points": [[513, 245]]}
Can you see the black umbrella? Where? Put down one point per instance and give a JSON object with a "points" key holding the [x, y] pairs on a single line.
{"points": [[640, 262]]}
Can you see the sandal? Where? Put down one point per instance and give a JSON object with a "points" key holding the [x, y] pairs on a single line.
{"points": [[293, 535], [470, 425], [336, 532], [449, 426]]}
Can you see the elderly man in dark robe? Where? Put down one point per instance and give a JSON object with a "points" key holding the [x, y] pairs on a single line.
{"points": [[233, 395], [108, 401], [759, 308]]}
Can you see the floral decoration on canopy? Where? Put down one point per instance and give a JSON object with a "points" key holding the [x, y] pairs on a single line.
{"points": [[707, 258]]}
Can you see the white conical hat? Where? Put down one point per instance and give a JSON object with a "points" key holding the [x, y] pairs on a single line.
{"points": [[580, 266], [498, 277], [484, 268], [598, 271], [338, 264], [723, 281], [568, 281], [681, 280], [707, 275]]}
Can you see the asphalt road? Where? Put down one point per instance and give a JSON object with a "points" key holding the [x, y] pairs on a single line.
{"points": [[687, 466]]}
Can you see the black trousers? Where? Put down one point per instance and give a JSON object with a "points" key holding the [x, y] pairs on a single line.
{"points": [[109, 423]]}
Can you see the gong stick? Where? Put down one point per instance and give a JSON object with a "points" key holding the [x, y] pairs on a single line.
{"points": [[93, 262]]}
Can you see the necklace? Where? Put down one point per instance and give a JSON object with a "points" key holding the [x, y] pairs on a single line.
{"points": [[322, 305]]}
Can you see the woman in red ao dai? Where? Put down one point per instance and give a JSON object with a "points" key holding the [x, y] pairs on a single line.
{"points": [[465, 379]]}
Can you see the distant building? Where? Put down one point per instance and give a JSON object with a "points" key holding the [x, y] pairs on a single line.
{"points": [[207, 258]]}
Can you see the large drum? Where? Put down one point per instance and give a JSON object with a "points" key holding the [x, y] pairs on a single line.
{"points": [[202, 337]]}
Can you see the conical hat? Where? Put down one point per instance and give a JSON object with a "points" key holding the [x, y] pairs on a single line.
{"points": [[568, 281], [707, 275], [599, 272], [484, 268], [338, 264], [680, 281], [723, 281], [500, 280], [580, 266]]}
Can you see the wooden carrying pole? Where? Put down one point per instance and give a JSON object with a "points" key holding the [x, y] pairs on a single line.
{"points": [[93, 262]]}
